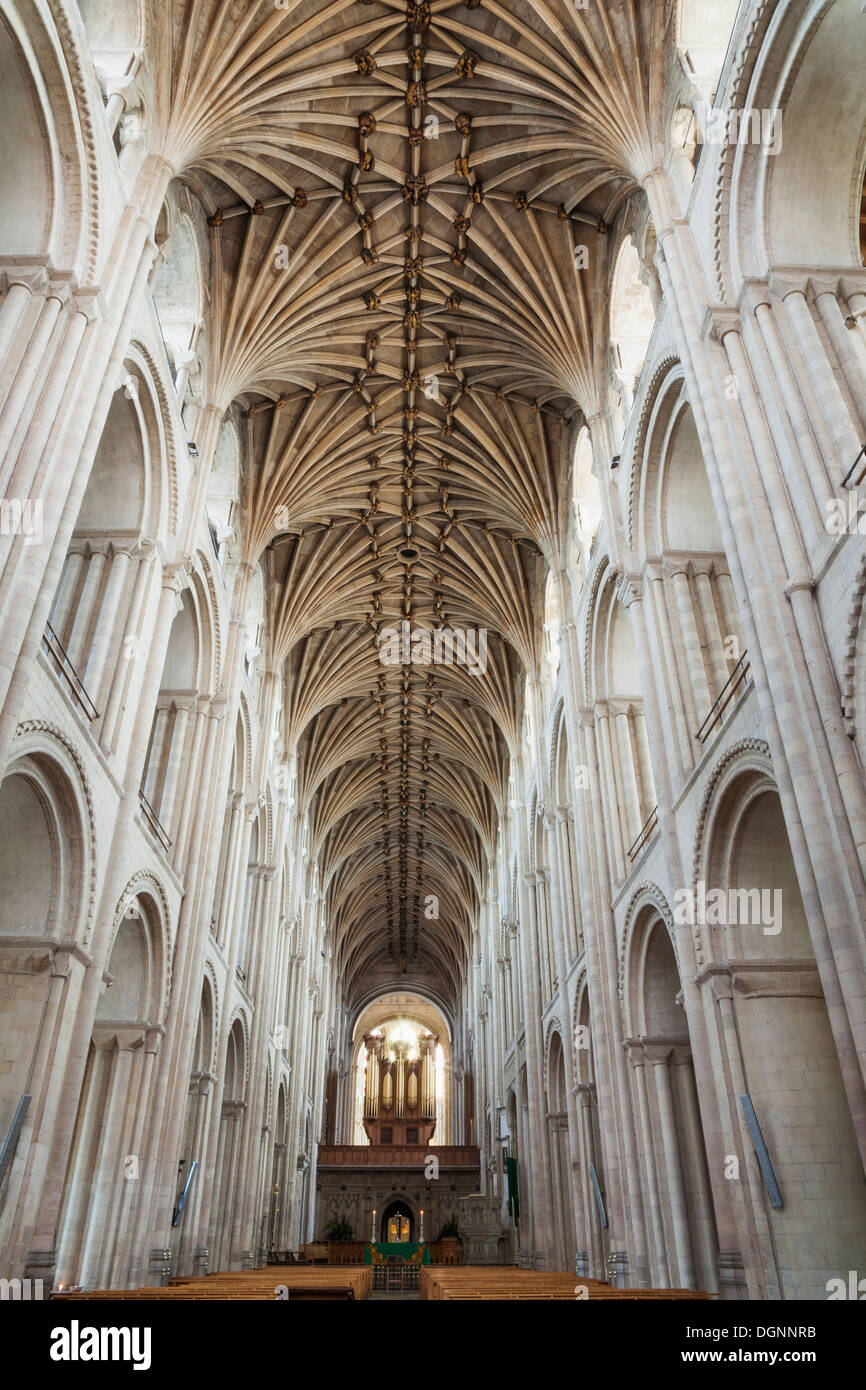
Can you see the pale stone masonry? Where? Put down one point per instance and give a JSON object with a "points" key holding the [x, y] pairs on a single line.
{"points": [[291, 357]]}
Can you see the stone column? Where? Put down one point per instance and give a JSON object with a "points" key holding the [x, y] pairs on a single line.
{"points": [[539, 1158], [96, 675], [634, 814], [659, 1058], [76, 647], [658, 665], [25, 288], [120, 680], [201, 1096], [715, 642], [177, 766], [595, 1252], [616, 841], [657, 1252], [66, 601], [693, 679]]}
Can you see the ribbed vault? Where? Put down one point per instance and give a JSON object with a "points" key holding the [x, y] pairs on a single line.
{"points": [[402, 314]]}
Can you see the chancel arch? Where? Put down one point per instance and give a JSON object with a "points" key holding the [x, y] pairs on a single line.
{"points": [[401, 1062]]}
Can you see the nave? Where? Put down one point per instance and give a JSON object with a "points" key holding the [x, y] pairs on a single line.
{"points": [[432, 579]]}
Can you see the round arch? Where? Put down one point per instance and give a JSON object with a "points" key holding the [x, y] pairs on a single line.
{"points": [[807, 181], [52, 199], [45, 790], [417, 1011]]}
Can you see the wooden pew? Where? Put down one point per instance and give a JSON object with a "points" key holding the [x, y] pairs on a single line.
{"points": [[316, 1253], [483, 1282], [305, 1282]]}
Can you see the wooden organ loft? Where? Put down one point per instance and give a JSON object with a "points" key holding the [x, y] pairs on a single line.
{"points": [[400, 1090]]}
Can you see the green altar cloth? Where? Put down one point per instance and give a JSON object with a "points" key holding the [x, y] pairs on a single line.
{"points": [[405, 1249]]}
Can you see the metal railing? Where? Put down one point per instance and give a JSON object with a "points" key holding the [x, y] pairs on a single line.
{"points": [[398, 1276], [736, 682], [53, 645], [10, 1144], [857, 481], [154, 822], [184, 1194], [645, 831]]}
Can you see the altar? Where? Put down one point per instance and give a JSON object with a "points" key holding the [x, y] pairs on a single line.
{"points": [[412, 1251]]}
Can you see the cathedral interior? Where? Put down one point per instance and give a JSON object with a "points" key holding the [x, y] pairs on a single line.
{"points": [[432, 699]]}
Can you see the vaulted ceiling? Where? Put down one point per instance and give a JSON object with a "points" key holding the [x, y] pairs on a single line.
{"points": [[395, 196]]}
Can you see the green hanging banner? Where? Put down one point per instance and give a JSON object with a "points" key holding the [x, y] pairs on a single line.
{"points": [[513, 1192]]}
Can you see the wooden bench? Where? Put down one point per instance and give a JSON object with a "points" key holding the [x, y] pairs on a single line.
{"points": [[328, 1292], [346, 1252], [317, 1253], [305, 1282], [481, 1282]]}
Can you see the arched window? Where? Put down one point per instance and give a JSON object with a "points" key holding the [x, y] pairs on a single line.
{"points": [[178, 298], [255, 623], [686, 141], [704, 32], [243, 954], [172, 735], [222, 492], [631, 320], [529, 721], [585, 492], [551, 658], [126, 997]]}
